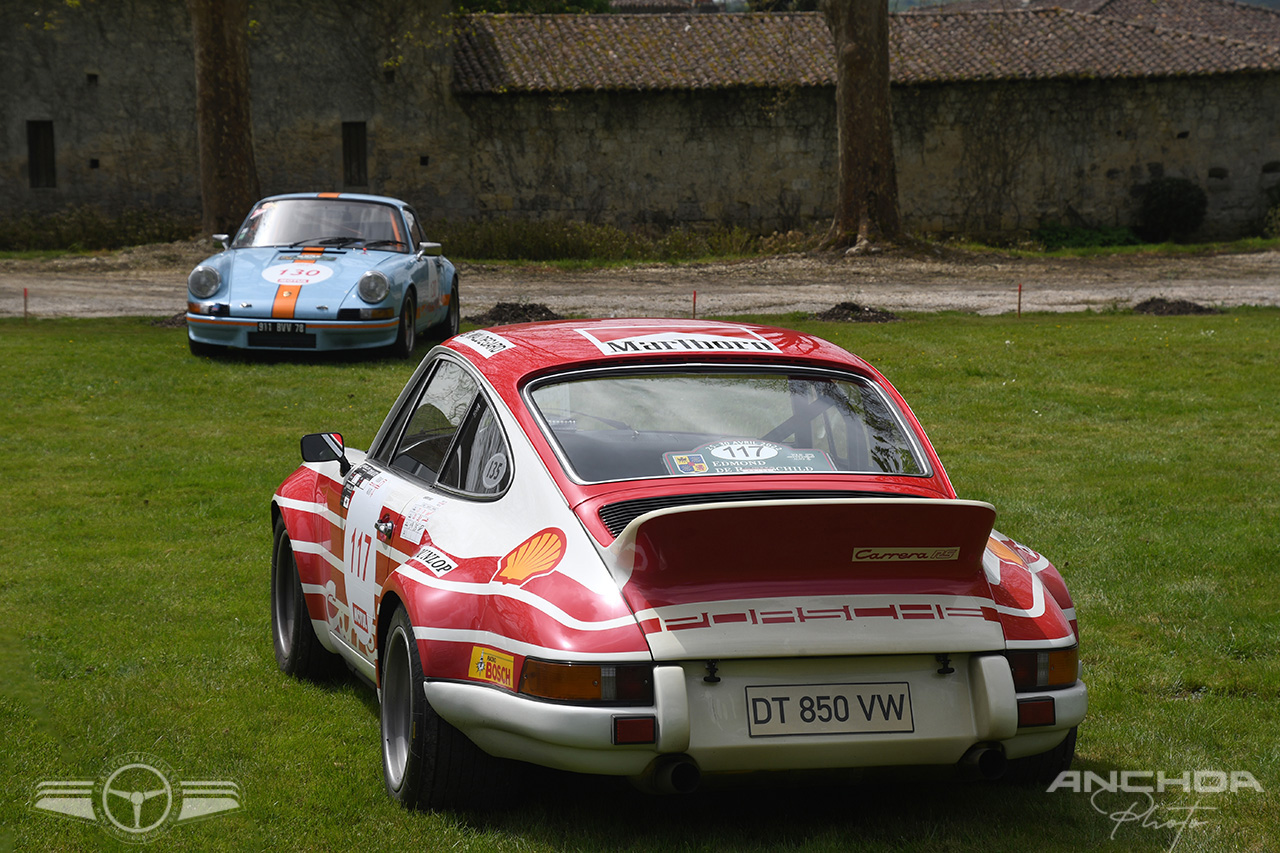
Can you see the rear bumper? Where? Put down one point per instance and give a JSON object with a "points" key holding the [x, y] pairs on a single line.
{"points": [[243, 333], [709, 721]]}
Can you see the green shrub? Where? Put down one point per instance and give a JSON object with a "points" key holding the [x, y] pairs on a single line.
{"points": [[1055, 236], [87, 228], [1170, 209], [560, 240], [682, 244]]}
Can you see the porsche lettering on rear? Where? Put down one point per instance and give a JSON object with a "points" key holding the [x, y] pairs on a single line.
{"points": [[664, 549], [904, 555]]}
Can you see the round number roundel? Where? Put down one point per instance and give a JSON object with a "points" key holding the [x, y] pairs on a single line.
{"points": [[297, 274]]}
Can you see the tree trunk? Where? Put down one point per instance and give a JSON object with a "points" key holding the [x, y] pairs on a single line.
{"points": [[228, 174], [867, 184]]}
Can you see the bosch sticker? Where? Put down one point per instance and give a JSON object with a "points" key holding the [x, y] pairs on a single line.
{"points": [[492, 666]]}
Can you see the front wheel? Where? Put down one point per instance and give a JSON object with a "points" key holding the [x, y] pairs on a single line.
{"points": [[298, 650], [200, 348], [407, 337], [448, 327], [426, 763]]}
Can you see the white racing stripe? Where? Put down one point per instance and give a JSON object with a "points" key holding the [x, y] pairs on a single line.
{"points": [[311, 508], [505, 590], [487, 638]]}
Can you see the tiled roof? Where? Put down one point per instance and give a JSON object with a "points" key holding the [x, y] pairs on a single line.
{"points": [[567, 53], [1227, 18], [650, 7]]}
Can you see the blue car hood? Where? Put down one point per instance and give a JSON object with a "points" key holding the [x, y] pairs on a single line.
{"points": [[315, 284]]}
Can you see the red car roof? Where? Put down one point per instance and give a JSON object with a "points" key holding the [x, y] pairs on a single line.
{"points": [[510, 354]]}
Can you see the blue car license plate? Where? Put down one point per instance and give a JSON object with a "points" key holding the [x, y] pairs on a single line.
{"points": [[282, 327]]}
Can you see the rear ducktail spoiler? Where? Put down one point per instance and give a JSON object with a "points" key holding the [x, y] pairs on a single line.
{"points": [[846, 574]]}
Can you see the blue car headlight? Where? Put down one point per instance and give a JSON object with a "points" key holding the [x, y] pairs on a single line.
{"points": [[204, 282], [373, 287]]}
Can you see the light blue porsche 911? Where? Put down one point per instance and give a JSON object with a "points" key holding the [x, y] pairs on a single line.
{"points": [[323, 271]]}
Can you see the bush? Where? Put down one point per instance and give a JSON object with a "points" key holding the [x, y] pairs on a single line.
{"points": [[86, 228], [559, 240], [1271, 222], [1170, 209], [1054, 237], [1270, 225]]}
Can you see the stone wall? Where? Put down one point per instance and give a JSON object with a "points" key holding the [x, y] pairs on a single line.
{"points": [[975, 157]]}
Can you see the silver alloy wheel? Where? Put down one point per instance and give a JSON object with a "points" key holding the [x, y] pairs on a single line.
{"points": [[284, 600], [455, 311], [397, 706], [410, 330]]}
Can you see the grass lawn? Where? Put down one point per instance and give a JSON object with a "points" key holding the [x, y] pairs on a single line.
{"points": [[1140, 454]]}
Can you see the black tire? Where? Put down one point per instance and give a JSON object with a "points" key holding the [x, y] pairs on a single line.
{"points": [[407, 336], [202, 349], [448, 327], [298, 650], [426, 762], [1042, 769]]}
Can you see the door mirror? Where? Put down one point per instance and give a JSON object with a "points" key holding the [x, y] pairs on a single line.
{"points": [[325, 447], [430, 249]]}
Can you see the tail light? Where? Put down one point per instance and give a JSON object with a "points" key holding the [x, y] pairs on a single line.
{"points": [[1044, 669], [609, 684]]}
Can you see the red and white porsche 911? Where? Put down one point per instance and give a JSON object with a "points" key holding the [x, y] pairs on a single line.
{"points": [[662, 549]]}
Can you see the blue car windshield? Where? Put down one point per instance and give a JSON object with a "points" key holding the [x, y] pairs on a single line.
{"points": [[323, 222]]}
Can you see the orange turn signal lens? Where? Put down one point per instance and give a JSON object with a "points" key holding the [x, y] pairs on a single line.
{"points": [[1046, 669], [620, 684]]}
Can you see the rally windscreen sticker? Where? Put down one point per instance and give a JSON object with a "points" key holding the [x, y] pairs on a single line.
{"points": [[747, 456]]}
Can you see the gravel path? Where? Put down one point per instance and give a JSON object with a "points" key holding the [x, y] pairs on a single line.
{"points": [[151, 281]]}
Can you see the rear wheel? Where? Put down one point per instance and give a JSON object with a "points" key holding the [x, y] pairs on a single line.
{"points": [[1042, 769], [426, 763], [449, 327], [407, 337], [298, 650]]}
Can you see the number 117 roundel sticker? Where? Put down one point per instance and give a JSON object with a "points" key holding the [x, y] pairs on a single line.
{"points": [[297, 274], [747, 456]]}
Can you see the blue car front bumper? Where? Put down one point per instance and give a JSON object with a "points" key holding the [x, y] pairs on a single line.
{"points": [[249, 333]]}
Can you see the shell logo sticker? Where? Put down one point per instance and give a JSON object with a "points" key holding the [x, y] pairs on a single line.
{"points": [[538, 555], [493, 667]]}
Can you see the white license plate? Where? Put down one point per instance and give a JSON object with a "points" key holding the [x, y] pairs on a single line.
{"points": [[286, 328], [829, 709]]}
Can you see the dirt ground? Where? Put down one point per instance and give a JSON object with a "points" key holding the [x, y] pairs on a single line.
{"points": [[151, 281]]}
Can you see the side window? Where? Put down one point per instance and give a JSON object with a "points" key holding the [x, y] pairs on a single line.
{"points": [[435, 419], [415, 230], [480, 463]]}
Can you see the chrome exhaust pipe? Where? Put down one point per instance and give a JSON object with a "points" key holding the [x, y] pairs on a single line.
{"points": [[984, 761], [670, 774]]}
